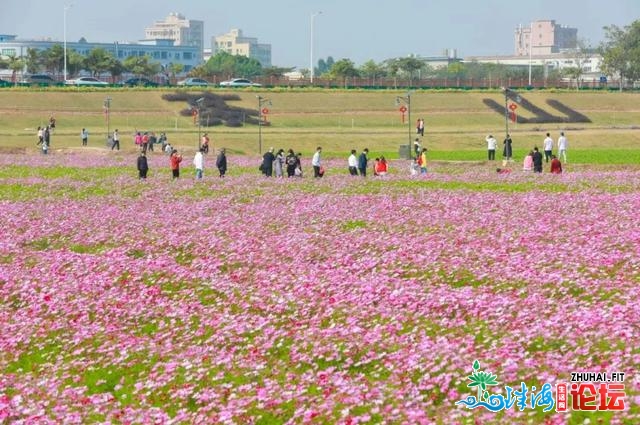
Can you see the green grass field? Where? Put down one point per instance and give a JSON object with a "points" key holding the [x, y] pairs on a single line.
{"points": [[339, 120]]}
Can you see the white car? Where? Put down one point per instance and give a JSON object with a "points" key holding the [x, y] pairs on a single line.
{"points": [[86, 81], [239, 82], [194, 82]]}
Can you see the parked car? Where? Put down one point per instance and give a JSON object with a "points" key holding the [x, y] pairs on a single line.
{"points": [[138, 81], [239, 82], [86, 81], [4, 83], [39, 80], [193, 82]]}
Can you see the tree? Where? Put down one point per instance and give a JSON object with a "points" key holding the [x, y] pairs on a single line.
{"points": [[621, 52], [53, 58], [75, 62], [228, 66], [115, 68], [372, 70], [344, 69], [15, 64], [411, 66], [324, 66], [33, 60], [98, 61], [141, 65], [175, 68]]}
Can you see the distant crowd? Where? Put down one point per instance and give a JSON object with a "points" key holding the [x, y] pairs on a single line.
{"points": [[534, 159], [280, 163]]}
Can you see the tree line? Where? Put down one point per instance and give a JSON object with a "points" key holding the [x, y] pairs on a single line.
{"points": [[620, 52]]}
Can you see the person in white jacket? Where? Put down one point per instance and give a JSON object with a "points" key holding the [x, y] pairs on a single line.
{"points": [[492, 143], [198, 162], [562, 147]]}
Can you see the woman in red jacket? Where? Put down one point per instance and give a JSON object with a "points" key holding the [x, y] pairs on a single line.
{"points": [[174, 162]]}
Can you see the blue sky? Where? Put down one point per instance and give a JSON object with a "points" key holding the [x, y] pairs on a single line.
{"points": [[356, 29]]}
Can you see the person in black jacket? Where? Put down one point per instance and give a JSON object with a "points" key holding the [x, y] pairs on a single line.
{"points": [[537, 160], [221, 162], [143, 166], [362, 162], [267, 163]]}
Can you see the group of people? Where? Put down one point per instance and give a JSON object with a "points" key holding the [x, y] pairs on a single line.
{"points": [[358, 165], [44, 138], [534, 159], [278, 163], [175, 160], [492, 146]]}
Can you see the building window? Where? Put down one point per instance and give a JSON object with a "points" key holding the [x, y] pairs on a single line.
{"points": [[163, 55], [8, 52], [187, 55]]}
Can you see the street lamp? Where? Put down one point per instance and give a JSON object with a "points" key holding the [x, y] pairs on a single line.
{"points": [[313, 17], [261, 102], [107, 108], [407, 101], [64, 24], [516, 98], [199, 102]]}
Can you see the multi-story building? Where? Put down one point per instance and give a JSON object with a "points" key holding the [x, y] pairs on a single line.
{"points": [[235, 43], [184, 32], [544, 37], [161, 51]]}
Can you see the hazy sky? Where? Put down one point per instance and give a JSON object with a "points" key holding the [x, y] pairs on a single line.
{"points": [[356, 29]]}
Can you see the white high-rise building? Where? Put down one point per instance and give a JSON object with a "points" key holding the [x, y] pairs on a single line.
{"points": [[235, 43], [184, 32]]}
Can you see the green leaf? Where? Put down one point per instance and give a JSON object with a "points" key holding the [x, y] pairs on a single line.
{"points": [[476, 365]]}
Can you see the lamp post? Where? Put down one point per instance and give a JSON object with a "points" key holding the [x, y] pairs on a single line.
{"points": [[516, 98], [407, 101], [313, 18], [64, 25], [199, 102], [261, 102], [107, 108]]}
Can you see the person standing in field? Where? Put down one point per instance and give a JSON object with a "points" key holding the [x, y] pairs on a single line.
{"points": [[492, 144], [381, 167], [422, 161], [221, 162], [143, 166], [316, 163], [562, 147], [116, 140], [279, 163], [291, 161], [548, 147], [84, 135], [527, 164], [40, 135], [556, 166], [362, 162], [204, 143], [507, 151], [198, 162], [420, 127], [267, 163], [537, 160], [174, 162], [352, 163]]}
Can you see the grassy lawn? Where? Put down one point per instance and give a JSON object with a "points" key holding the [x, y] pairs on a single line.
{"points": [[339, 120]]}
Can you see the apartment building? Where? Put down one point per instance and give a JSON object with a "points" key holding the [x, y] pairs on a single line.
{"points": [[544, 37], [235, 43], [183, 32]]}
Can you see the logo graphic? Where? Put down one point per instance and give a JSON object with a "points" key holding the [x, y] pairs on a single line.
{"points": [[589, 391]]}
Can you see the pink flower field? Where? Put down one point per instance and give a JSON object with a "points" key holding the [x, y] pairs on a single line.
{"points": [[248, 300]]}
